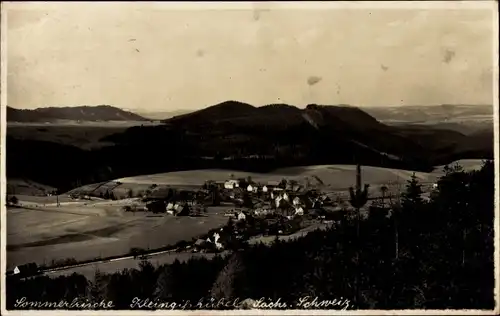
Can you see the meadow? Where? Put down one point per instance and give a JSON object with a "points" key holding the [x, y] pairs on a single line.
{"points": [[90, 229]]}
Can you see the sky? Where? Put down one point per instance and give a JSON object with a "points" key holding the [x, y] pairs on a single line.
{"points": [[157, 57]]}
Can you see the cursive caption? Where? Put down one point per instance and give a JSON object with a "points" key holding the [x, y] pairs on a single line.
{"points": [[63, 304], [306, 302]]}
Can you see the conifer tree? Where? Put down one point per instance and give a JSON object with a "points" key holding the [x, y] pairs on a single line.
{"points": [[412, 197], [224, 285]]}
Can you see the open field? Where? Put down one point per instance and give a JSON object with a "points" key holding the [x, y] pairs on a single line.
{"points": [[334, 176], [90, 229]]}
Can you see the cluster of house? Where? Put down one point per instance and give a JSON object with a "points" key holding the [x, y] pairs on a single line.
{"points": [[210, 242], [255, 187]]}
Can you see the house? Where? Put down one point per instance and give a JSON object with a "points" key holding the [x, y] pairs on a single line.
{"points": [[250, 188], [26, 269], [278, 200], [241, 216], [264, 189], [216, 237], [299, 211], [296, 201], [258, 211], [170, 206], [231, 184], [285, 196], [218, 245]]}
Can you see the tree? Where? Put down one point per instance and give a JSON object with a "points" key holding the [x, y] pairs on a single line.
{"points": [[13, 200], [358, 199], [247, 200], [216, 197], [96, 290], [224, 285], [383, 190], [283, 183], [165, 284], [230, 224], [147, 281], [293, 182], [412, 198]]}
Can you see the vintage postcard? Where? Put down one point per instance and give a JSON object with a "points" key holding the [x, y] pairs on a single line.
{"points": [[264, 158]]}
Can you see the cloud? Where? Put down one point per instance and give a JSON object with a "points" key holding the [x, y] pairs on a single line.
{"points": [[312, 80]]}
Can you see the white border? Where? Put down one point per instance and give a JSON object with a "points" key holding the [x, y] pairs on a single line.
{"points": [[289, 5], [3, 129], [493, 5]]}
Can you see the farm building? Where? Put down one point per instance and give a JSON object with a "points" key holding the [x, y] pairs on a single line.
{"points": [[231, 184]]}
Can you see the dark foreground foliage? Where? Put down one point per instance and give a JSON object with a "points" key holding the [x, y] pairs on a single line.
{"points": [[434, 255]]}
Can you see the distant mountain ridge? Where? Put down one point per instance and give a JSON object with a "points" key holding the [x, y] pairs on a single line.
{"points": [[235, 114], [239, 136], [424, 113], [78, 113]]}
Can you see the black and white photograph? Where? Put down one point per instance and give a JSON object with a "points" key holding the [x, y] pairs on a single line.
{"points": [[306, 158]]}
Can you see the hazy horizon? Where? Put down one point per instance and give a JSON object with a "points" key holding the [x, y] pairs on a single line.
{"points": [[173, 110], [147, 57]]}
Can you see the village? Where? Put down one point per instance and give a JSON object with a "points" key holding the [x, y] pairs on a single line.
{"points": [[256, 210]]}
